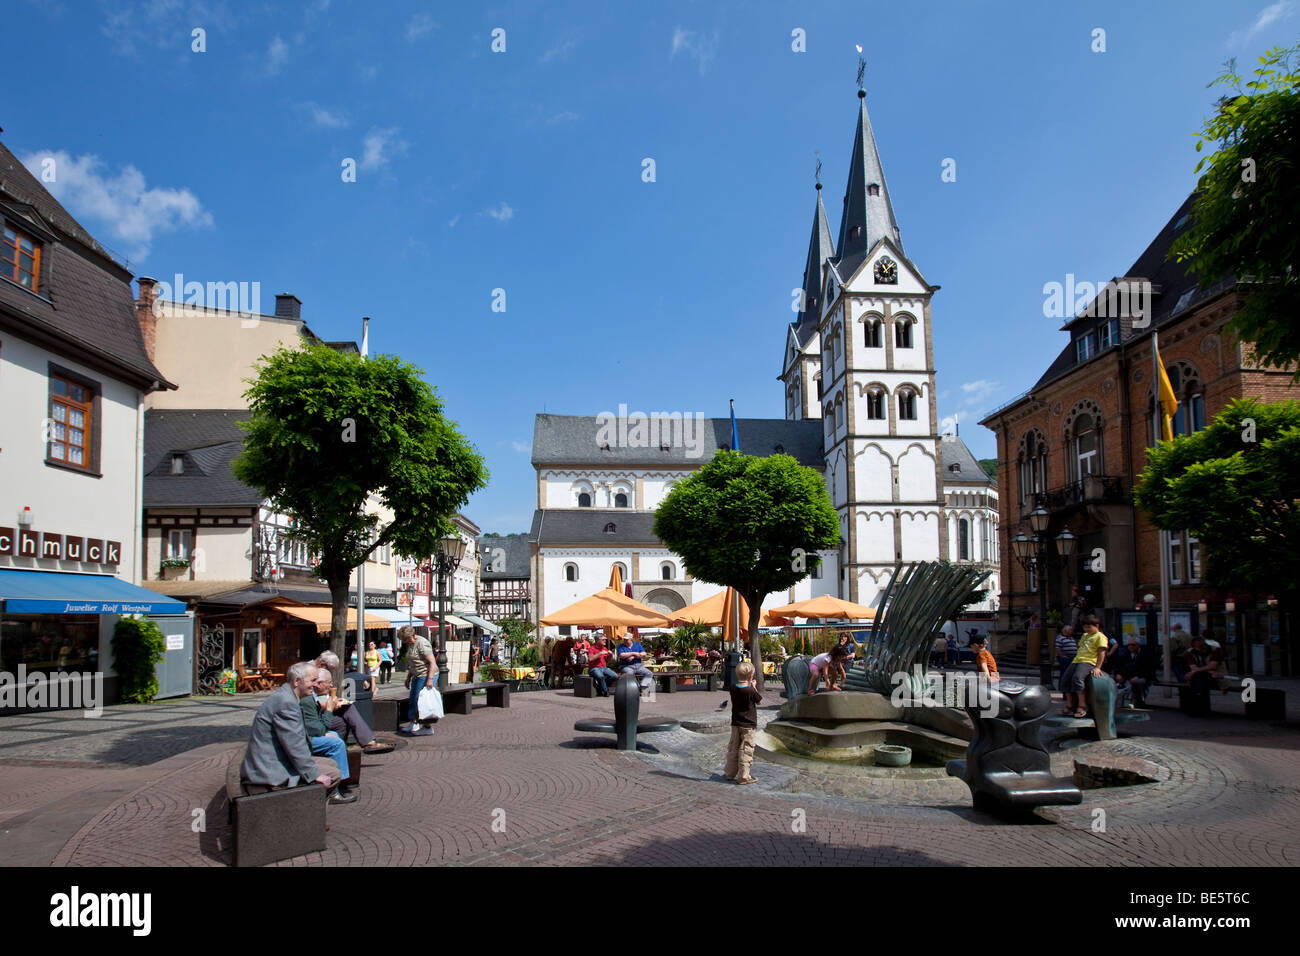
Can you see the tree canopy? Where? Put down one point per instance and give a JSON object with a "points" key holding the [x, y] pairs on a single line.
{"points": [[331, 432], [1234, 485], [753, 524], [1243, 216]]}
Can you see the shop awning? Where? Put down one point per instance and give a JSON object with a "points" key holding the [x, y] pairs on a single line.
{"points": [[322, 617], [57, 592], [394, 618], [451, 620], [485, 625]]}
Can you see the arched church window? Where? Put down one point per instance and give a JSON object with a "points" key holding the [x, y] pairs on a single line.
{"points": [[876, 404], [570, 572], [871, 328], [903, 334], [907, 405], [620, 500], [963, 540], [584, 500]]}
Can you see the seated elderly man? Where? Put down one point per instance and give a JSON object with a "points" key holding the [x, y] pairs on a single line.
{"points": [[343, 716], [278, 755], [1133, 670], [323, 741]]}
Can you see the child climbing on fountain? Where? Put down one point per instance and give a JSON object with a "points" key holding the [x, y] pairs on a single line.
{"points": [[985, 664], [744, 723], [832, 665]]}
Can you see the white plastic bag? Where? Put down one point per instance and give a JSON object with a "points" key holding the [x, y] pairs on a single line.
{"points": [[429, 704]]}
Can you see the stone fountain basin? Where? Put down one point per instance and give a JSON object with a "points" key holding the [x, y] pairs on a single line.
{"points": [[854, 741], [831, 709]]}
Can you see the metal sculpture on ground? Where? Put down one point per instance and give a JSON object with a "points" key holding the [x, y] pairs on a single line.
{"points": [[625, 725], [917, 602], [1006, 767]]}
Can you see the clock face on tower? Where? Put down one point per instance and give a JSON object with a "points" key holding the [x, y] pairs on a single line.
{"points": [[886, 272]]}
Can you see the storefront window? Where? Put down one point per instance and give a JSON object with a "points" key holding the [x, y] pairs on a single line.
{"points": [[252, 640], [48, 642]]}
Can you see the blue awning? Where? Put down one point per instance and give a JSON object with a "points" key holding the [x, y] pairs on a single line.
{"points": [[54, 592]]}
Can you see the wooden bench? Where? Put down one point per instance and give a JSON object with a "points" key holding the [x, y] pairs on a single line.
{"points": [[277, 825]]}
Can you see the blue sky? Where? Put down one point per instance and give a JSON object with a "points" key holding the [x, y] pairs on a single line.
{"points": [[522, 170]]}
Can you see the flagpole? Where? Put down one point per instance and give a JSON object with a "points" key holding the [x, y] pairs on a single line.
{"points": [[1166, 652]]}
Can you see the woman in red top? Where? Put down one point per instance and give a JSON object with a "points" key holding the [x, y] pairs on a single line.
{"points": [[597, 658]]}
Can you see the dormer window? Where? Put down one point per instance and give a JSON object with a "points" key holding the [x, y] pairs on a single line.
{"points": [[873, 189], [1107, 334], [609, 528], [178, 464], [20, 259], [855, 233], [1084, 348]]}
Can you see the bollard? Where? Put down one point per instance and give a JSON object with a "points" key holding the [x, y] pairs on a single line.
{"points": [[627, 706]]}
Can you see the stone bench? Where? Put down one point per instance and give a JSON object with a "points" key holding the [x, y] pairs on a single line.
{"points": [[667, 680], [390, 712], [278, 824], [1269, 702], [1099, 695]]}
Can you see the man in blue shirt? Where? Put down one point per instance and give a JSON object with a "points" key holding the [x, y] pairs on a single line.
{"points": [[630, 657]]}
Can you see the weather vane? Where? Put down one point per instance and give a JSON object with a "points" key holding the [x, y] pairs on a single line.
{"points": [[862, 65], [818, 154]]}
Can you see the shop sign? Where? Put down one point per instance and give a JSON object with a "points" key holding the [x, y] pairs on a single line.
{"points": [[26, 543], [384, 600]]}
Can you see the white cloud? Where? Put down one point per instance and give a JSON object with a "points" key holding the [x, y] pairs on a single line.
{"points": [[501, 212], [325, 117], [379, 146], [451, 223], [566, 117], [421, 24], [1281, 10], [277, 54], [978, 391], [560, 51], [696, 45], [121, 206], [523, 447]]}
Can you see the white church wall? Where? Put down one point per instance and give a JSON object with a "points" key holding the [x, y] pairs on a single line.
{"points": [[916, 480], [875, 537], [920, 534], [873, 475]]}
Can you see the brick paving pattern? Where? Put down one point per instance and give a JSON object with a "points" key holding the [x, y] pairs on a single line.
{"points": [[520, 786]]}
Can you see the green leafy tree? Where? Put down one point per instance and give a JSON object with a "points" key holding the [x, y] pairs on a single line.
{"points": [[138, 646], [1243, 216], [1235, 485], [754, 524], [330, 432], [515, 636]]}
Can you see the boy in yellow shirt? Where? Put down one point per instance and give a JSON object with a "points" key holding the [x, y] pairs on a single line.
{"points": [[1087, 660]]}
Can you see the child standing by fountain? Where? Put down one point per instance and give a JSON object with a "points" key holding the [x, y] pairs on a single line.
{"points": [[744, 723], [985, 664]]}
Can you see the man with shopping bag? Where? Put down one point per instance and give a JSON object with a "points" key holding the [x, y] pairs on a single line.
{"points": [[419, 666]]}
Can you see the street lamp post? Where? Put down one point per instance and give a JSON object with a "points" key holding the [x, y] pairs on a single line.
{"points": [[450, 551], [1032, 552]]}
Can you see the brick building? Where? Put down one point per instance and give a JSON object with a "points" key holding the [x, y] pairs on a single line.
{"points": [[1076, 441]]}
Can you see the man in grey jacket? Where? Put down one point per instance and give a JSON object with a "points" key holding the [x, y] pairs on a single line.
{"points": [[278, 755]]}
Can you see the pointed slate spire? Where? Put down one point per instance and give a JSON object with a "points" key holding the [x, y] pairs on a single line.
{"points": [[868, 214], [820, 249]]}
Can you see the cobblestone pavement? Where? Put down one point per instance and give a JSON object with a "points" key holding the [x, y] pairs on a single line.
{"points": [[520, 786]]}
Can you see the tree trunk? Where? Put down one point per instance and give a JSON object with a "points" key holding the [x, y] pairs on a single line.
{"points": [[339, 622], [755, 601]]}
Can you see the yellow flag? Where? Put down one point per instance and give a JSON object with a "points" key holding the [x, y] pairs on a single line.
{"points": [[1166, 399]]}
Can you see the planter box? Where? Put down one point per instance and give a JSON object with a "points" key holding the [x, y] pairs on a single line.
{"points": [[175, 574]]}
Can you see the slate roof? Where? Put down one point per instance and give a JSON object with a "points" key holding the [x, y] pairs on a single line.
{"points": [[571, 440], [1176, 292], [208, 441], [587, 526], [955, 452], [874, 213], [87, 309], [820, 248], [515, 562]]}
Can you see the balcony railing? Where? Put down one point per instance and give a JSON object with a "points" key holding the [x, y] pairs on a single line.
{"points": [[1088, 490]]}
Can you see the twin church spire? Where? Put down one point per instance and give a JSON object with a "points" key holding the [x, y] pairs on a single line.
{"points": [[867, 217]]}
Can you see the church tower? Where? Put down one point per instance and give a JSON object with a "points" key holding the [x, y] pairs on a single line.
{"points": [[878, 407], [802, 364]]}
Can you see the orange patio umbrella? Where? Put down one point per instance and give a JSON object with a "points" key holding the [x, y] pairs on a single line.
{"points": [[607, 608], [827, 606], [711, 611], [615, 634]]}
